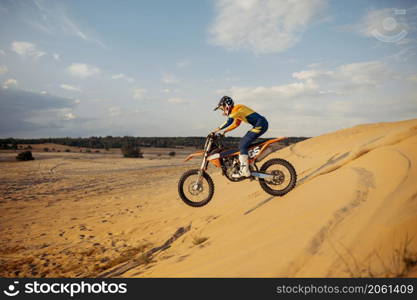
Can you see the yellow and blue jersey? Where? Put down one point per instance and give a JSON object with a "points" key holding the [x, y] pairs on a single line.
{"points": [[243, 113]]}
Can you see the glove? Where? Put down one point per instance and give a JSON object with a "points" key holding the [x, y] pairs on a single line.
{"points": [[215, 131]]}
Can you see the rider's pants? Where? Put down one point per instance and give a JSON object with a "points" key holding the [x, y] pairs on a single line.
{"points": [[259, 129]]}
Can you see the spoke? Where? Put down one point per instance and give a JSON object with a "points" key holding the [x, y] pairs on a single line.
{"points": [[282, 176], [194, 191]]}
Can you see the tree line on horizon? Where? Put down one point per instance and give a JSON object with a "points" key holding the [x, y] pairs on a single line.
{"points": [[107, 142]]}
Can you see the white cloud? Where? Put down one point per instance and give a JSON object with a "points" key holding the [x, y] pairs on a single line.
{"points": [[170, 79], [183, 63], [262, 26], [315, 86], [278, 92], [70, 88], [177, 101], [365, 73], [26, 49], [56, 56], [69, 116], [53, 18], [118, 76], [2, 52], [360, 74], [139, 93], [404, 53], [314, 65], [10, 83], [123, 76], [3, 70], [38, 25], [83, 70], [310, 74], [115, 111], [171, 90], [70, 26], [230, 78]]}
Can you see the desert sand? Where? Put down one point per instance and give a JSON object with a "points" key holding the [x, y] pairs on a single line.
{"points": [[353, 213]]}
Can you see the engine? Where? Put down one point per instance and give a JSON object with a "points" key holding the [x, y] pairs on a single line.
{"points": [[230, 167]]}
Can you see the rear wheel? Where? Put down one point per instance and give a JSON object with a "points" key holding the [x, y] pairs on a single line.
{"points": [[284, 177], [193, 193]]}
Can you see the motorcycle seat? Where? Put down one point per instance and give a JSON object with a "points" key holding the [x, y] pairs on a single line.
{"points": [[257, 143], [227, 152]]}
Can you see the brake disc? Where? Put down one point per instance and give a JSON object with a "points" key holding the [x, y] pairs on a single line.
{"points": [[195, 189], [278, 178]]}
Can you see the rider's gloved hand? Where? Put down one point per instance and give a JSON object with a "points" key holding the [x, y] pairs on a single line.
{"points": [[214, 131]]}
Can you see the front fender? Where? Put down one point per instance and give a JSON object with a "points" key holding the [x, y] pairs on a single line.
{"points": [[195, 154]]}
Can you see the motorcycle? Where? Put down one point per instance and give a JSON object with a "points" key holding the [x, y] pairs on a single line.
{"points": [[276, 176]]}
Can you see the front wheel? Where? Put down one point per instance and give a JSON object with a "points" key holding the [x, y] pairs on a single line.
{"points": [[193, 193], [284, 177]]}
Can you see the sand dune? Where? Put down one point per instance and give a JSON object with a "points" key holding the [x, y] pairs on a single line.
{"points": [[353, 213]]}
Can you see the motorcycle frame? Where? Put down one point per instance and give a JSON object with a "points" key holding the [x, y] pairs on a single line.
{"points": [[215, 158]]}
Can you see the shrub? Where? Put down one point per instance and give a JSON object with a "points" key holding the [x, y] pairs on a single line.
{"points": [[67, 150], [172, 153], [129, 150], [28, 147], [88, 151], [25, 155], [97, 151], [46, 149]]}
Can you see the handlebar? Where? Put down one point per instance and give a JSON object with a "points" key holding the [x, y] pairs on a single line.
{"points": [[214, 134], [216, 138]]}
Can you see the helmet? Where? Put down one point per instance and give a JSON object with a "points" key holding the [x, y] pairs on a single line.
{"points": [[226, 103]]}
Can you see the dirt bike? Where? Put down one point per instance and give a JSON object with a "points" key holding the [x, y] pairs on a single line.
{"points": [[276, 176]]}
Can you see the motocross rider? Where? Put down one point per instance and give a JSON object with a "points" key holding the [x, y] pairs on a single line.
{"points": [[236, 114]]}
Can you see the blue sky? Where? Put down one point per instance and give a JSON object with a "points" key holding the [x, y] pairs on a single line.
{"points": [[157, 68]]}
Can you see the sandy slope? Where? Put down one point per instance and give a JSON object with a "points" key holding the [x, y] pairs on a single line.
{"points": [[354, 209]]}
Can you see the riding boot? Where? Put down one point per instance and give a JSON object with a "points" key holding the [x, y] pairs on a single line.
{"points": [[244, 167]]}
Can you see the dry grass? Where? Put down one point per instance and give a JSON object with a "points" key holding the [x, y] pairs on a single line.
{"points": [[398, 264], [197, 240], [136, 253], [127, 255]]}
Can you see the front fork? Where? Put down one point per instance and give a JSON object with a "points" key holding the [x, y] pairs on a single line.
{"points": [[203, 166]]}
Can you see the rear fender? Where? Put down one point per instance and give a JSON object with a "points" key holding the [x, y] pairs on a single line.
{"points": [[268, 147]]}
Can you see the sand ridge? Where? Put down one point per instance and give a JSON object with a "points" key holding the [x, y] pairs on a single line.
{"points": [[353, 213]]}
